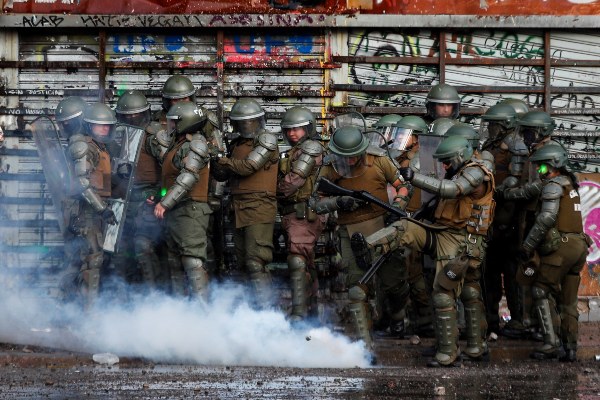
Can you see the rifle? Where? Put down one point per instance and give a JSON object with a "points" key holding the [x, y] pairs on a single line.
{"points": [[327, 187]]}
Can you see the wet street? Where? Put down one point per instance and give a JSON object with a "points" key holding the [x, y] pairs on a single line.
{"points": [[28, 372]]}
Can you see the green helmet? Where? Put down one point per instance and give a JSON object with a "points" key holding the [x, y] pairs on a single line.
{"points": [[296, 117], [416, 124], [133, 109], [348, 146], [177, 87], [442, 94], [466, 131], [535, 126], [553, 154], [69, 115], [440, 126], [387, 120], [348, 141], [519, 106], [247, 117], [454, 150], [501, 113], [99, 121], [185, 117]]}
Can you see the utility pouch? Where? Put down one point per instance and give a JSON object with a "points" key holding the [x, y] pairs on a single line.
{"points": [[551, 242], [300, 209]]}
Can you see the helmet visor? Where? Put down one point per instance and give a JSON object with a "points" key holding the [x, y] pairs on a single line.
{"points": [[248, 128], [103, 132], [401, 138], [491, 130], [531, 134], [138, 119], [350, 167], [69, 127], [381, 138]]}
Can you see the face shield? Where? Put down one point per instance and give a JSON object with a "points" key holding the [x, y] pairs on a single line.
{"points": [[248, 128], [491, 130], [141, 119], [381, 138], [69, 127], [403, 141], [350, 167], [104, 133], [167, 103], [531, 134]]}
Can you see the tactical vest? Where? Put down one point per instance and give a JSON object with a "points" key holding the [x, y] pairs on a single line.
{"points": [[170, 172], [304, 192], [373, 182], [262, 181], [147, 170], [474, 211], [100, 176], [569, 213], [502, 159]]}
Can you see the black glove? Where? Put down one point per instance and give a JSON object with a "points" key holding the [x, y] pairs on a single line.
{"points": [[524, 254], [214, 152], [407, 173], [109, 216], [347, 203], [124, 171]]}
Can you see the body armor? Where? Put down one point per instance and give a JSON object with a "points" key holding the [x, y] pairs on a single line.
{"points": [[92, 168], [373, 182], [263, 159], [474, 209], [184, 171]]}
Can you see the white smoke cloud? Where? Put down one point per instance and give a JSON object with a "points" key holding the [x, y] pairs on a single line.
{"points": [[223, 331]]}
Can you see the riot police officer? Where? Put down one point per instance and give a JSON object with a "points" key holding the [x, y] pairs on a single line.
{"points": [[359, 166], [463, 216], [69, 116], [469, 133], [252, 172], [297, 174], [91, 161], [535, 129], [509, 151], [185, 207], [176, 88], [557, 236], [142, 233], [442, 101]]}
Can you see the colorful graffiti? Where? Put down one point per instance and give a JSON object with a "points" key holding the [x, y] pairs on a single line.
{"points": [[590, 209]]}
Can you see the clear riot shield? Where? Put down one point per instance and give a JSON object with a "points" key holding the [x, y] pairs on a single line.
{"points": [[131, 144], [427, 164], [56, 167], [350, 119]]}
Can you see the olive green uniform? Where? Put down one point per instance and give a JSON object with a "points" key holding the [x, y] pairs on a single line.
{"points": [[367, 219]]}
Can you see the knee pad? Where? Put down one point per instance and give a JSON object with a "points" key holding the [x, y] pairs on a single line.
{"points": [[254, 266], [191, 263], [296, 262], [356, 294], [538, 293], [469, 294], [442, 301]]}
